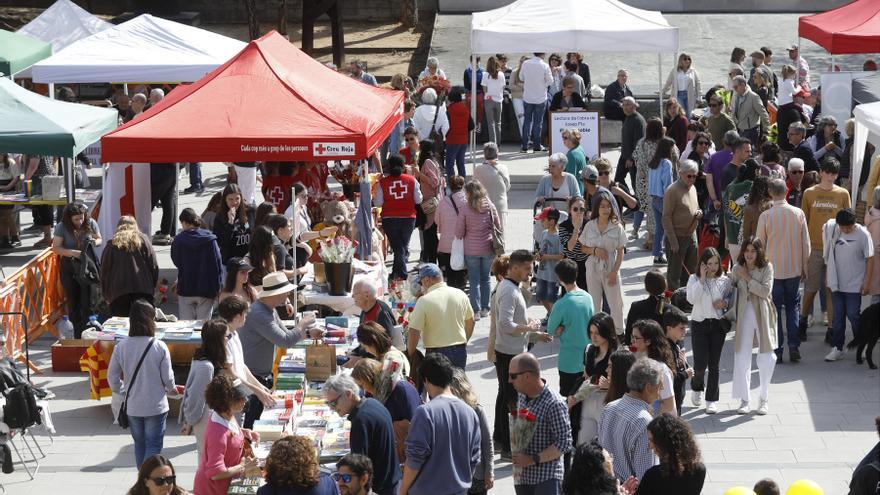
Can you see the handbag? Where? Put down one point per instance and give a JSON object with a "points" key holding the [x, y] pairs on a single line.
{"points": [[456, 257], [497, 235], [320, 361], [728, 318], [122, 418], [435, 135]]}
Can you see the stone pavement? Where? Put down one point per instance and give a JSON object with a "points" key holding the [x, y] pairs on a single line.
{"points": [[821, 420]]}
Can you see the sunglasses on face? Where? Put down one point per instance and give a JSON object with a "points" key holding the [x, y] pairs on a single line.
{"points": [[703, 143], [514, 376], [164, 480], [345, 478], [332, 403], [578, 208]]}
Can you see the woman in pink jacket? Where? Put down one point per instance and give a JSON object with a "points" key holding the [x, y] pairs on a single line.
{"points": [[475, 223], [221, 458], [446, 218]]}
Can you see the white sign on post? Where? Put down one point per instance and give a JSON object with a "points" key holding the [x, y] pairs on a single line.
{"points": [[586, 122]]}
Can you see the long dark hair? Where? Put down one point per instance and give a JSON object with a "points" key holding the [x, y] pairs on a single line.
{"points": [[675, 445], [263, 211], [72, 210], [141, 319], [664, 150], [229, 284], [759, 193], [149, 465], [654, 129], [619, 363], [260, 252], [426, 152], [241, 211], [760, 260], [707, 255], [213, 346], [656, 341], [594, 212], [587, 475]]}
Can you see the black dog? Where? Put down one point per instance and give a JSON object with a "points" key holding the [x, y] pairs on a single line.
{"points": [[869, 332]]}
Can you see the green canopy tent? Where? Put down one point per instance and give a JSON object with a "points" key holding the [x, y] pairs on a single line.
{"points": [[18, 52], [33, 124]]}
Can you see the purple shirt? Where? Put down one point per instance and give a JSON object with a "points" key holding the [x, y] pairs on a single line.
{"points": [[475, 228], [716, 164]]}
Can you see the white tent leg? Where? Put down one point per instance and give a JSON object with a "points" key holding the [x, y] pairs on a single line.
{"points": [[797, 67], [473, 134], [52, 90], [832, 63], [660, 84]]}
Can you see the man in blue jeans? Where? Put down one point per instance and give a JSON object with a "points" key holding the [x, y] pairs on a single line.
{"points": [[536, 77], [848, 248]]}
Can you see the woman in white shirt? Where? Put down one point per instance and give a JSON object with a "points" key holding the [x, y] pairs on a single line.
{"points": [[603, 238], [423, 119], [493, 91], [706, 290], [650, 341], [685, 84], [787, 87]]}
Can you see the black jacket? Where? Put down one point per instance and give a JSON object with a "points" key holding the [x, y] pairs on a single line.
{"points": [[804, 152], [576, 101], [646, 309], [613, 94], [786, 115]]}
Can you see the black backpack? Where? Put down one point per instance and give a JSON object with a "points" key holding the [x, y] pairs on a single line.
{"points": [[21, 409]]}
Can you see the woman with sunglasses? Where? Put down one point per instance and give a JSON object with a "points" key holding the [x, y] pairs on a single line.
{"points": [[684, 81], [292, 469], [569, 236], [700, 153], [650, 341], [156, 477], [208, 361]]}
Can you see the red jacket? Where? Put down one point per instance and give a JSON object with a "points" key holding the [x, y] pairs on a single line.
{"points": [[459, 116], [398, 194]]}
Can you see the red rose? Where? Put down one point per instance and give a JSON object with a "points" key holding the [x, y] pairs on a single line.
{"points": [[400, 305], [667, 293], [410, 309], [632, 349], [400, 320], [531, 417]]}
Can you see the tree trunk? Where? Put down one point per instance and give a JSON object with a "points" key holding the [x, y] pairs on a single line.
{"points": [[409, 16], [253, 21], [282, 17]]}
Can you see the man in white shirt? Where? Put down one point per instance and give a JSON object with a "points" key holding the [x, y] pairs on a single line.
{"points": [[536, 77], [803, 69]]}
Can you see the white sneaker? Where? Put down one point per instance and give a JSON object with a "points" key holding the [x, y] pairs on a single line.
{"points": [[476, 316], [824, 319], [484, 313], [763, 408], [834, 355], [696, 398], [711, 407], [743, 407]]}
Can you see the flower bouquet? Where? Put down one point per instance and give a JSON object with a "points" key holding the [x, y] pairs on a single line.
{"points": [[523, 424], [161, 294], [337, 250], [437, 83], [390, 374]]}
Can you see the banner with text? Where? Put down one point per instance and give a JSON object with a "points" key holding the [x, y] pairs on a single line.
{"points": [[586, 122]]}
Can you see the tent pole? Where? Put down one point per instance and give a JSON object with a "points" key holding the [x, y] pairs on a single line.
{"points": [[660, 84], [797, 65], [832, 62], [67, 164], [473, 134], [52, 90]]}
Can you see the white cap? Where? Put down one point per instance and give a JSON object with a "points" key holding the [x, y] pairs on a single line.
{"points": [[796, 164]]}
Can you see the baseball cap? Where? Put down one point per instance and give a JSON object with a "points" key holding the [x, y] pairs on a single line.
{"points": [[548, 212], [793, 47], [236, 264], [629, 99], [802, 92], [429, 270], [590, 173], [796, 164]]}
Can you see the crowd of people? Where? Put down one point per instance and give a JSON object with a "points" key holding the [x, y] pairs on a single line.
{"points": [[739, 223]]}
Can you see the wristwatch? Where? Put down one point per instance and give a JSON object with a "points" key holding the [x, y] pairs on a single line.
{"points": [[536, 458]]}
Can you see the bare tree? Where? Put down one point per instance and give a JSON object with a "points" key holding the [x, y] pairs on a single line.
{"points": [[253, 22], [282, 17], [409, 15]]}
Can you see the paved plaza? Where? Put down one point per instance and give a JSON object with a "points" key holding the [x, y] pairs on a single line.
{"points": [[821, 420]]}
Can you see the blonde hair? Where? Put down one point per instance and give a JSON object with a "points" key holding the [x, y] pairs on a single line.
{"points": [[681, 60], [367, 371], [127, 236], [574, 135], [475, 193], [461, 388]]}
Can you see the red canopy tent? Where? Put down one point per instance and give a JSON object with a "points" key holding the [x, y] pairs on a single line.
{"points": [[852, 28], [270, 102]]}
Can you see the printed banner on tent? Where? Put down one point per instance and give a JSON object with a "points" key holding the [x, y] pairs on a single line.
{"points": [[121, 197], [586, 122], [333, 149]]}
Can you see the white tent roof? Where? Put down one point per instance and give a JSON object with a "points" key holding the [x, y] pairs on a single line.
{"points": [[571, 25], [62, 24], [867, 123], [144, 49]]}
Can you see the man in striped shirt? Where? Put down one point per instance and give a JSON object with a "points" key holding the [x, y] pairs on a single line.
{"points": [[783, 230], [623, 428]]}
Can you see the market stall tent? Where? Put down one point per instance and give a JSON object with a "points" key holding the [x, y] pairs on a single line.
{"points": [[866, 89], [270, 102], [62, 24], [144, 49], [33, 124], [867, 122], [18, 52], [852, 28]]}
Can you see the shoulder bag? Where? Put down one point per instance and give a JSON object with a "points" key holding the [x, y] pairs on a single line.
{"points": [[497, 234], [728, 318], [122, 418]]}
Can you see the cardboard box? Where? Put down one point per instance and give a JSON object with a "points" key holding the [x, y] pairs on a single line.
{"points": [[66, 353]]}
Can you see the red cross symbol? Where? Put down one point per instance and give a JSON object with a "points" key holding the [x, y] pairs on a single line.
{"points": [[321, 149], [398, 189], [276, 195]]}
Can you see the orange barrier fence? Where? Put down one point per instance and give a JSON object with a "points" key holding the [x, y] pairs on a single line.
{"points": [[35, 290]]}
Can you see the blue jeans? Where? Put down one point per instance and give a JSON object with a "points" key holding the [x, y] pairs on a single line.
{"points": [[785, 292], [455, 156], [638, 216], [846, 305], [478, 278], [533, 120], [195, 174], [549, 487], [399, 231], [148, 433], [456, 353], [657, 206], [682, 97]]}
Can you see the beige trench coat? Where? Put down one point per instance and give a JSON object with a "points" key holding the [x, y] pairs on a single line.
{"points": [[757, 292]]}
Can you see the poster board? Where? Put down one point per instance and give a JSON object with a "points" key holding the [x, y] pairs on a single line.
{"points": [[837, 95], [586, 122]]}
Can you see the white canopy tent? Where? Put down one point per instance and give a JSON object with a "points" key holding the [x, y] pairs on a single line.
{"points": [[62, 24], [527, 26], [144, 49], [867, 123]]}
